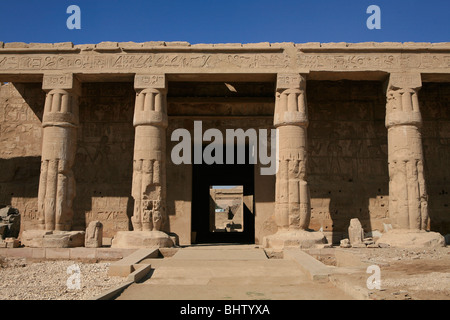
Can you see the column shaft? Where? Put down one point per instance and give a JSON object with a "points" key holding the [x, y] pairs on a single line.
{"points": [[292, 203], [149, 167], [57, 183]]}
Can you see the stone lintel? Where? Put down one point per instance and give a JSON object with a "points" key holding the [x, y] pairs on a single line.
{"points": [[146, 81]]}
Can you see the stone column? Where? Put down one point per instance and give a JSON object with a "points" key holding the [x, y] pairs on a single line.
{"points": [[292, 197], [408, 199], [149, 166], [57, 183]]}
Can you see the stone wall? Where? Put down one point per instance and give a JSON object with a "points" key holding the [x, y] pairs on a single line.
{"points": [[348, 155], [435, 106], [21, 109], [104, 161]]}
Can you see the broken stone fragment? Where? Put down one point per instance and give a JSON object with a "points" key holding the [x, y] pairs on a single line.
{"points": [[9, 222], [345, 243], [368, 241], [12, 243]]}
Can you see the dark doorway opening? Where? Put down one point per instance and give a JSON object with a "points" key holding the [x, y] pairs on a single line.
{"points": [[205, 178]]}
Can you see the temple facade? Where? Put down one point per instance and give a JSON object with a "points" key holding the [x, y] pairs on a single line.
{"points": [[88, 133]]}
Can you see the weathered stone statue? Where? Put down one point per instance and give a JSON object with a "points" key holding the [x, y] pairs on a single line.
{"points": [[292, 197], [355, 232], [408, 199], [149, 166], [94, 235]]}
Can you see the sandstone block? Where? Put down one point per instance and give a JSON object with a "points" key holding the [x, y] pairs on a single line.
{"points": [[55, 239], [15, 45], [63, 45], [107, 45], [403, 238], [33, 238], [141, 239], [64, 239], [294, 239]]}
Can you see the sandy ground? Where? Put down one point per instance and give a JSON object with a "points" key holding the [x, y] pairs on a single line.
{"points": [[53, 280]]}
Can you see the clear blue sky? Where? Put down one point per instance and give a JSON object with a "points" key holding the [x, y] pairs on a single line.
{"points": [[222, 21]]}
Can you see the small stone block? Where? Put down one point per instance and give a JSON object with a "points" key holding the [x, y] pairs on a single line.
{"points": [[83, 253]]}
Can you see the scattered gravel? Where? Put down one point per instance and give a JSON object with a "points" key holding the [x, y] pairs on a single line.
{"points": [[435, 281], [53, 280], [388, 255]]}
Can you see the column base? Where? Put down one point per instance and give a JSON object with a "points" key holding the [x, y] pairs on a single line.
{"points": [[403, 238], [52, 239], [294, 239], [141, 239]]}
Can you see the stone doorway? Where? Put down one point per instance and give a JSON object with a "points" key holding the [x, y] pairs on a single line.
{"points": [[207, 180]]}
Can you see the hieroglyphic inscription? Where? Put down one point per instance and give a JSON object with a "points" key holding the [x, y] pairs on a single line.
{"points": [[149, 81], [57, 81], [286, 81], [119, 62], [367, 61]]}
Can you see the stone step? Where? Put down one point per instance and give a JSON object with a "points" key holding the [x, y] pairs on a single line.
{"points": [[126, 266], [220, 255]]}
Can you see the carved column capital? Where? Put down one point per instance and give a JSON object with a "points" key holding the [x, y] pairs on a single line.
{"points": [[61, 103], [402, 107], [290, 103], [151, 106]]}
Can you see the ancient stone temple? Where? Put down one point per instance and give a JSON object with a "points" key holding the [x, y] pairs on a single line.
{"points": [[92, 133]]}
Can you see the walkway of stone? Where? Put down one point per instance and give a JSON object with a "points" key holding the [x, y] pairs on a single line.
{"points": [[227, 273]]}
